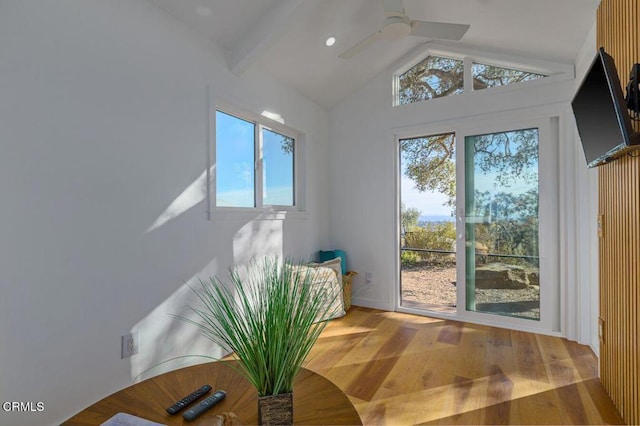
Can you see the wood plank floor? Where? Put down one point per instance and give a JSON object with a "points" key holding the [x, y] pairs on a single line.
{"points": [[401, 369]]}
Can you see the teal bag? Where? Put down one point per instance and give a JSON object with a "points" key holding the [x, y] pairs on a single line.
{"points": [[325, 255]]}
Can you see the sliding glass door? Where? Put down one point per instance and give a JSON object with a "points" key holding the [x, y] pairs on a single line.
{"points": [[502, 269], [481, 214], [427, 222]]}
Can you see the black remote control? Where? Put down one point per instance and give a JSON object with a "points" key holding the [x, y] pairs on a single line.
{"points": [[207, 403], [179, 405]]}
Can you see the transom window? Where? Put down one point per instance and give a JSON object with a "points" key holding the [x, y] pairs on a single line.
{"points": [[485, 76], [255, 164], [439, 76], [433, 77]]}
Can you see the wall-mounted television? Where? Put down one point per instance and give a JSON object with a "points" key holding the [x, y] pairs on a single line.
{"points": [[601, 113]]}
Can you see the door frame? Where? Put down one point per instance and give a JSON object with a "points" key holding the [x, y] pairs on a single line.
{"points": [[549, 217]]}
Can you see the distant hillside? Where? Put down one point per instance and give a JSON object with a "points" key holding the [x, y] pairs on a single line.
{"points": [[430, 218]]}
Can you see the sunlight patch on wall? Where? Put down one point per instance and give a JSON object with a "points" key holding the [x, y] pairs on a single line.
{"points": [[192, 195]]}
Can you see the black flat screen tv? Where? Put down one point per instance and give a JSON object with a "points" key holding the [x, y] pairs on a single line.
{"points": [[601, 113]]}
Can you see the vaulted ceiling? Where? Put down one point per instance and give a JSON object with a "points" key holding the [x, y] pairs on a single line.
{"points": [[286, 38]]}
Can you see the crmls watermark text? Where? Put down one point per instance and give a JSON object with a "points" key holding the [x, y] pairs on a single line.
{"points": [[23, 406]]}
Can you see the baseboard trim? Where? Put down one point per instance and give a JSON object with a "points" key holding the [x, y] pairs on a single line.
{"points": [[372, 304]]}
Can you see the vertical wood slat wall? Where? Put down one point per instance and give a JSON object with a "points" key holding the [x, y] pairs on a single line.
{"points": [[619, 205]]}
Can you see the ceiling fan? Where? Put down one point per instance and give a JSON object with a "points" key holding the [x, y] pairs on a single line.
{"points": [[397, 26]]}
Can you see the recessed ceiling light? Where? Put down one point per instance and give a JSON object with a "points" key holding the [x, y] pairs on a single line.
{"points": [[204, 11], [330, 41]]}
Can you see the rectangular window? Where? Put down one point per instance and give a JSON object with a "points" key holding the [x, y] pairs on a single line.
{"points": [[235, 159], [277, 169], [255, 165]]}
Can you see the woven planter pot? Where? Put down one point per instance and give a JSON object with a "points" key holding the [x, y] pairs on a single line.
{"points": [[275, 409]]}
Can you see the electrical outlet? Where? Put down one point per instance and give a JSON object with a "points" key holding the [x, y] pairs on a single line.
{"points": [[129, 344], [368, 278]]}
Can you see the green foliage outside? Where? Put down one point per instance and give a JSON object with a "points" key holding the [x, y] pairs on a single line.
{"points": [[507, 218], [436, 77], [431, 236], [514, 225], [433, 77], [409, 218], [429, 163], [409, 259], [485, 76]]}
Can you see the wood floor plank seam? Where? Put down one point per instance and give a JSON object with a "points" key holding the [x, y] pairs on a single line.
{"points": [[402, 369]]}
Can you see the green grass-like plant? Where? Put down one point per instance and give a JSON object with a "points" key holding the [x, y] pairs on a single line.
{"points": [[267, 317]]}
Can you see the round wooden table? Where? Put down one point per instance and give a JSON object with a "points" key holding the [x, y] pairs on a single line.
{"points": [[315, 399]]}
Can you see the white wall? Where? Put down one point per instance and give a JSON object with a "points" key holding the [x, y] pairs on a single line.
{"points": [[363, 158], [102, 126], [587, 207]]}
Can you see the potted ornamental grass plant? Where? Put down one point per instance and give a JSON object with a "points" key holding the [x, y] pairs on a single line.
{"points": [[268, 316]]}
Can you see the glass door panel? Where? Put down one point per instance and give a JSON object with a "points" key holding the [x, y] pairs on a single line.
{"points": [[427, 225], [501, 224]]}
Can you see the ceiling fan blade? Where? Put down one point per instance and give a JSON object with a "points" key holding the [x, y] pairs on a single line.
{"points": [[392, 8], [438, 30], [351, 52]]}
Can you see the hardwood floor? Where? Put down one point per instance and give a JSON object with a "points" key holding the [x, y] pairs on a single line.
{"points": [[401, 369]]}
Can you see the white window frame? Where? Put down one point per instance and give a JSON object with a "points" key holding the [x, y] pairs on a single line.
{"points": [[260, 122], [548, 146], [548, 121], [553, 71]]}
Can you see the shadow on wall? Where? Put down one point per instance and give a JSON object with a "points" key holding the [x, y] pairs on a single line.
{"points": [[191, 196], [258, 238], [167, 343]]}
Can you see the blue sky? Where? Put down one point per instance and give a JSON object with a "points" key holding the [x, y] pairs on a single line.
{"points": [[235, 159], [429, 203]]}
